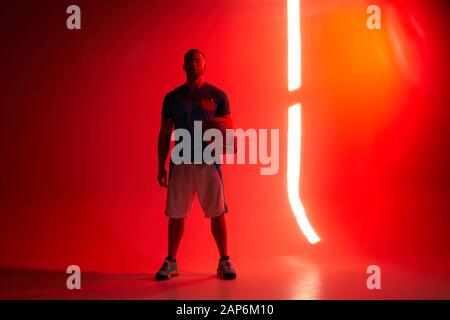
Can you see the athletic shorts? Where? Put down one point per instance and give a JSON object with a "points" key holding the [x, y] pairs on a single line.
{"points": [[187, 180]]}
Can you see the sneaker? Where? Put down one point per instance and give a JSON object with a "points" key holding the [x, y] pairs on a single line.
{"points": [[168, 269], [225, 270]]}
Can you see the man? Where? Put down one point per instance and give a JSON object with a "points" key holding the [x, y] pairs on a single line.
{"points": [[195, 100]]}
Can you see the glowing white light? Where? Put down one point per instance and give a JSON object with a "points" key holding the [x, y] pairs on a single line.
{"points": [[294, 45], [295, 121], [293, 173]]}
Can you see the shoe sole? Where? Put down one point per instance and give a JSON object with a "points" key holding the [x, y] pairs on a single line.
{"points": [[226, 277], [162, 278]]}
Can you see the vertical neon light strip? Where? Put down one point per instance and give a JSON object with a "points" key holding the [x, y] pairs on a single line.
{"points": [[294, 45], [295, 120]]}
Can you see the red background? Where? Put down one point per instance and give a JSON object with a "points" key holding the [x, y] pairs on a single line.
{"points": [[80, 113]]}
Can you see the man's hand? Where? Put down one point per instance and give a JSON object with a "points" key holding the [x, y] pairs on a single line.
{"points": [[162, 177]]}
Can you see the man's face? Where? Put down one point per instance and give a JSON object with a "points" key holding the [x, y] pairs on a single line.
{"points": [[194, 65]]}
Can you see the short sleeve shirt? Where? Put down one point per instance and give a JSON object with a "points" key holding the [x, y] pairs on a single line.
{"points": [[185, 107], [203, 104]]}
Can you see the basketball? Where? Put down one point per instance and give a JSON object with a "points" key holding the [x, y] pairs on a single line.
{"points": [[222, 124]]}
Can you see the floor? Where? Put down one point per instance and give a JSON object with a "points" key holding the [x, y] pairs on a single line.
{"points": [[280, 278]]}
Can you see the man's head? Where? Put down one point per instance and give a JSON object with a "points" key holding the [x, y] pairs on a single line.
{"points": [[194, 63]]}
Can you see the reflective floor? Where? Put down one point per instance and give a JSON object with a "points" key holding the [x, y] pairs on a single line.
{"points": [[281, 278]]}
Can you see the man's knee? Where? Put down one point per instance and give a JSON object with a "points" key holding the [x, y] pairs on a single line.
{"points": [[218, 219], [176, 221]]}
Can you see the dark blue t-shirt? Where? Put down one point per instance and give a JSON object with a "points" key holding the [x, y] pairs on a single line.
{"points": [[185, 107]]}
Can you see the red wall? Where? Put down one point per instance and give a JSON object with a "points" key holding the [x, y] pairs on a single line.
{"points": [[80, 114]]}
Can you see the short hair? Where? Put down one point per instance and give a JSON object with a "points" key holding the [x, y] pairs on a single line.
{"points": [[192, 51]]}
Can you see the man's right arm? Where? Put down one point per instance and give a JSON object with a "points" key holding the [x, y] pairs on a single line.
{"points": [[163, 149]]}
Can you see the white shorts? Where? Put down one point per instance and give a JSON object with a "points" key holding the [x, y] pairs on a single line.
{"points": [[186, 180]]}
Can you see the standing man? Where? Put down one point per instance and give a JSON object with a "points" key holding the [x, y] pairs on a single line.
{"points": [[195, 100]]}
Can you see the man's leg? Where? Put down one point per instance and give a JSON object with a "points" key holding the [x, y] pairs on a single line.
{"points": [[224, 269], [219, 231], [176, 230], [210, 192], [180, 195], [170, 266]]}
